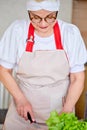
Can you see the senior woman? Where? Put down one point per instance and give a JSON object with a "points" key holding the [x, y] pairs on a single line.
{"points": [[48, 56]]}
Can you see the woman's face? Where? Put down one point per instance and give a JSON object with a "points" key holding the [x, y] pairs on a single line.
{"points": [[43, 21]]}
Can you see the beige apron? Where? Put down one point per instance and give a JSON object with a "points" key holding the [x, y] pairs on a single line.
{"points": [[43, 77]]}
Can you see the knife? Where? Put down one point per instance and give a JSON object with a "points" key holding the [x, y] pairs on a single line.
{"points": [[35, 123]]}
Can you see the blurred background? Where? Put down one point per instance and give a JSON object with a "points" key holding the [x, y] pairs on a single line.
{"points": [[72, 11]]}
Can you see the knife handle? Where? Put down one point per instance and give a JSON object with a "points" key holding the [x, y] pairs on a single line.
{"points": [[29, 117]]}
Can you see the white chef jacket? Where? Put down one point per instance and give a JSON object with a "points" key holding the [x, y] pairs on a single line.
{"points": [[13, 44]]}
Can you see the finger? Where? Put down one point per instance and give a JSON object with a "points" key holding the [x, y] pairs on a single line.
{"points": [[25, 115], [22, 112], [18, 110]]}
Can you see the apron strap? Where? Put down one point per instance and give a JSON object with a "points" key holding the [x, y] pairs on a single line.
{"points": [[57, 36], [30, 39]]}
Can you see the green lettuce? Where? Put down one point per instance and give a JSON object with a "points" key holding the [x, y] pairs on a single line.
{"points": [[65, 121]]}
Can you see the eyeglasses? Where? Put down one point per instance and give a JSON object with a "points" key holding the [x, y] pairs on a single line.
{"points": [[37, 19]]}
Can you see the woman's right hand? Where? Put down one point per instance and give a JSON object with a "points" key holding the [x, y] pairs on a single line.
{"points": [[23, 106]]}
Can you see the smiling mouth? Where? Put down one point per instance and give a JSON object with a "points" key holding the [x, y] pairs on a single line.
{"points": [[43, 27]]}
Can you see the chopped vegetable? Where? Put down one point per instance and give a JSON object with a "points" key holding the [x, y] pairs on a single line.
{"points": [[65, 121]]}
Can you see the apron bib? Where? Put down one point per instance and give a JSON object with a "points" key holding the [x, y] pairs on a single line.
{"points": [[43, 77]]}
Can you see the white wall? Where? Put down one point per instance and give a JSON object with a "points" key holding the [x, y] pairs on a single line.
{"points": [[11, 10], [65, 12]]}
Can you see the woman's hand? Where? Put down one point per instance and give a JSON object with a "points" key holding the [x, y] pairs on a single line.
{"points": [[65, 110], [23, 106], [68, 110]]}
